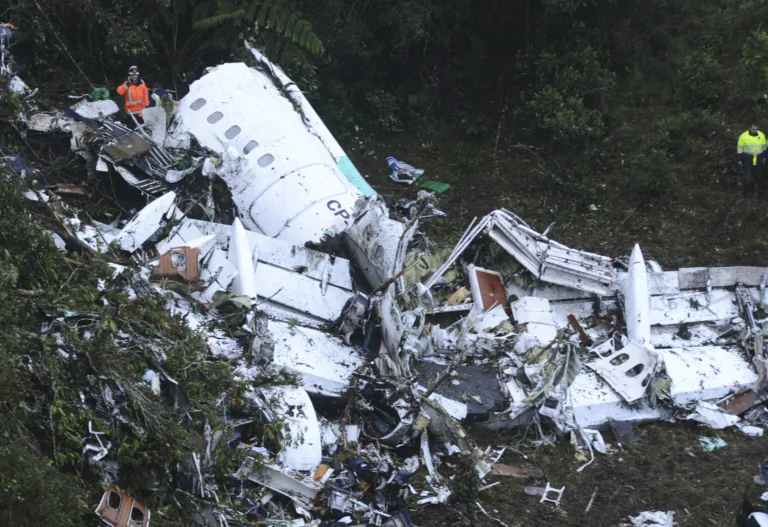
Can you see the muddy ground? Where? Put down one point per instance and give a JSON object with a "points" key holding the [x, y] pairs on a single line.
{"points": [[666, 469]]}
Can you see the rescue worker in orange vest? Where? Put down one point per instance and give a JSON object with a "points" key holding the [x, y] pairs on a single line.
{"points": [[136, 94], [751, 154]]}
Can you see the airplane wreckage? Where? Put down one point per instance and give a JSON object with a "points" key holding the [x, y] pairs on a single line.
{"points": [[508, 328]]}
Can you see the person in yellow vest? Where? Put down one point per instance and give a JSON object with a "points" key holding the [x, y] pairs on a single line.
{"points": [[751, 153], [136, 94]]}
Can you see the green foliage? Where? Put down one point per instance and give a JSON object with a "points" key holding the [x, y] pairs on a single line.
{"points": [[562, 120], [383, 106], [755, 60], [698, 76], [272, 16], [34, 492], [650, 175], [93, 340]]}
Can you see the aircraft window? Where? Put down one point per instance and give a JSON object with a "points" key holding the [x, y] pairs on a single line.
{"points": [[197, 104], [114, 500], [266, 160], [232, 132], [250, 146], [137, 517], [215, 117]]}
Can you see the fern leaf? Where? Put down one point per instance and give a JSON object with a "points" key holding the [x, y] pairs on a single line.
{"points": [[218, 19], [272, 20], [290, 25], [282, 18], [261, 19], [250, 13]]}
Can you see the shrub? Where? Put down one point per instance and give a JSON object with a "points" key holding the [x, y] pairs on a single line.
{"points": [[563, 119]]}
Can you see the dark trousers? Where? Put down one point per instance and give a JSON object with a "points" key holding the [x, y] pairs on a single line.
{"points": [[130, 122], [752, 175]]}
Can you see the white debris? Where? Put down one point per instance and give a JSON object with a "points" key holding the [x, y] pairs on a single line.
{"points": [[653, 519], [706, 373], [711, 415], [241, 258], [303, 449], [324, 363], [95, 109], [628, 370], [754, 431], [637, 298], [284, 181], [535, 315], [148, 221]]}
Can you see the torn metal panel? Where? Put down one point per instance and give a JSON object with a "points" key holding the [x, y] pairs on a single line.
{"points": [[294, 291], [220, 344], [706, 373], [324, 363], [319, 266], [487, 289], [535, 315], [217, 273], [628, 370], [127, 146], [548, 260], [374, 240], [301, 489], [593, 404], [284, 181], [118, 509], [303, 451], [711, 415], [693, 306], [97, 236], [292, 282], [148, 221], [700, 277]]}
